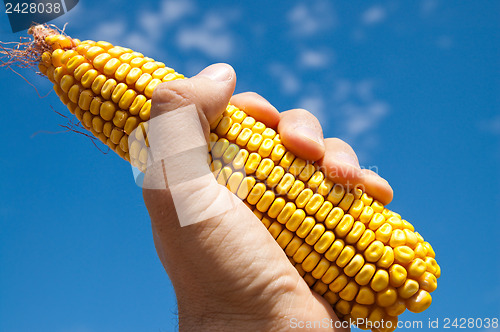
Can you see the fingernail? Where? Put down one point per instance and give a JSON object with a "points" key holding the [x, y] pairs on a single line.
{"points": [[310, 133], [217, 72], [347, 158]]}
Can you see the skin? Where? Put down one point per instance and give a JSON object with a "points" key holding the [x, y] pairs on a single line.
{"points": [[229, 274]]}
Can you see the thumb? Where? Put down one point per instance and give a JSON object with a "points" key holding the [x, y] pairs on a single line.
{"points": [[177, 160]]}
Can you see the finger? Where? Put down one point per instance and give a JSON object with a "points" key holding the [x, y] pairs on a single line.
{"points": [[301, 133], [209, 91], [180, 112], [257, 107], [341, 165]]}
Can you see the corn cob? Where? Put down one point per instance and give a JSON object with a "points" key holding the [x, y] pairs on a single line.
{"points": [[365, 260]]}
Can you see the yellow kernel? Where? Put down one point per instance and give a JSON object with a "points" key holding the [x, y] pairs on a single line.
{"points": [[59, 72], [107, 110], [302, 253], [127, 99], [350, 291], [97, 124], [380, 280], [320, 269], [100, 61], [240, 159], [230, 153], [151, 87], [130, 125], [396, 309], [98, 83], [376, 221], [85, 99], [264, 169], [324, 242], [245, 187], [359, 311], [384, 233], [403, 255], [334, 218], [142, 82], [411, 238], [306, 227], [74, 93], [315, 234], [293, 246], [365, 296], [345, 256], [286, 213], [427, 281], [89, 77], [335, 249], [296, 219], [311, 261], [254, 142], [323, 211], [354, 265], [252, 163], [116, 135], [137, 104], [356, 208], [287, 160], [120, 118], [95, 105], [377, 206], [118, 92], [67, 82], [234, 131], [285, 184], [275, 229], [419, 302], [356, 232], [303, 197], [346, 202], [111, 66], [366, 273], [387, 297], [256, 193], [266, 201], [74, 62], [307, 172], [331, 273], [397, 275], [295, 190], [387, 258], [398, 238], [133, 75], [243, 137], [325, 187], [344, 226], [339, 283], [374, 251], [107, 88], [234, 181], [145, 111], [336, 194], [314, 203], [297, 166], [266, 147], [409, 288], [275, 176]]}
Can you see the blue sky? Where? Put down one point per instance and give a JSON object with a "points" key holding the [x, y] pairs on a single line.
{"points": [[413, 86]]}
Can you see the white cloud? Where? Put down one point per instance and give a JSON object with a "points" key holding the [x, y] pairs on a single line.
{"points": [[289, 82], [315, 105], [110, 30], [374, 15], [491, 126], [315, 59], [444, 42], [309, 18], [173, 11], [427, 7], [212, 37], [362, 118]]}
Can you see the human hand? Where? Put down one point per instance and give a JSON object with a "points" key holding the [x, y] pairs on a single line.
{"points": [[227, 271]]}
